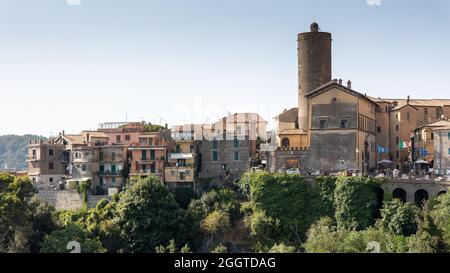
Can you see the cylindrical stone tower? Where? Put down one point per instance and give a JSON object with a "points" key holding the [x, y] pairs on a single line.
{"points": [[314, 67]]}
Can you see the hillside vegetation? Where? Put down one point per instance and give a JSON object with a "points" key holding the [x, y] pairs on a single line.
{"points": [[13, 151]]}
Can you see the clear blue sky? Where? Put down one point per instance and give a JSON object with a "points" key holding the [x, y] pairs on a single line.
{"points": [[72, 66]]}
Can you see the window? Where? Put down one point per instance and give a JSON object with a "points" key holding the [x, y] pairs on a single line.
{"points": [[236, 143], [344, 123], [50, 152], [323, 124], [100, 155], [118, 138], [236, 156], [239, 130], [215, 156], [285, 142], [83, 168], [398, 154], [142, 141], [50, 179], [177, 148], [113, 181], [152, 155], [101, 181], [50, 166], [34, 151], [449, 136], [397, 127], [127, 137], [425, 111], [449, 151], [378, 129], [182, 176], [191, 148], [408, 116], [113, 169], [214, 144], [102, 169], [143, 155], [432, 136], [397, 141], [113, 156]]}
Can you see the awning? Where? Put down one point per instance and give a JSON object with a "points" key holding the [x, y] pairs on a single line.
{"points": [[385, 161], [181, 156], [421, 161], [84, 179]]}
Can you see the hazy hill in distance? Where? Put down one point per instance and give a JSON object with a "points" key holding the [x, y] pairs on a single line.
{"points": [[13, 151]]}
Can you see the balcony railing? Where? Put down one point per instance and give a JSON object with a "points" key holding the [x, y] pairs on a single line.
{"points": [[110, 173]]}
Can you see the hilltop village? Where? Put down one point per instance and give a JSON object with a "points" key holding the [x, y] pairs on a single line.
{"points": [[333, 129]]}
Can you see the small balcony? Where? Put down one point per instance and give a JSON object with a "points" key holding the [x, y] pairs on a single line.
{"points": [[32, 158], [110, 173]]}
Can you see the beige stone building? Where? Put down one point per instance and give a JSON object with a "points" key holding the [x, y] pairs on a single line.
{"points": [[335, 127]]}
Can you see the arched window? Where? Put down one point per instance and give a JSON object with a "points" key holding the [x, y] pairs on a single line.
{"points": [[285, 142]]}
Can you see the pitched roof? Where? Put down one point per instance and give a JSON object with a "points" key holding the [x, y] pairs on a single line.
{"points": [[74, 139], [436, 124], [331, 84], [95, 134], [416, 102]]}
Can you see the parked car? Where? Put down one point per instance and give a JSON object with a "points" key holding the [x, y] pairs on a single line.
{"points": [[351, 172], [293, 171]]}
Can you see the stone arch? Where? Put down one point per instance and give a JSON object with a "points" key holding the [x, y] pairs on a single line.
{"points": [[379, 192], [285, 142], [421, 196], [441, 193], [399, 193]]}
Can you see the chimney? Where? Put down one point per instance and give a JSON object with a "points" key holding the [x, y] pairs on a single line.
{"points": [[340, 81], [349, 84], [408, 99], [335, 80]]}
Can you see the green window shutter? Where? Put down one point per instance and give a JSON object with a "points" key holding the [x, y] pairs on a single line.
{"points": [[152, 154]]}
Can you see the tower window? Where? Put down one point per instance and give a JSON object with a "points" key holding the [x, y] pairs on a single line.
{"points": [[50, 152], [378, 129], [344, 123]]}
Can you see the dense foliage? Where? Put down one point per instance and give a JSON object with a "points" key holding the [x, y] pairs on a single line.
{"points": [[265, 212], [14, 149]]}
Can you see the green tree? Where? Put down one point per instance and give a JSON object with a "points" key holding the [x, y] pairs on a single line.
{"points": [[325, 186], [282, 248], [172, 248], [149, 216], [262, 228], [24, 219], [399, 218], [215, 223], [57, 241], [355, 202], [429, 238], [184, 196], [440, 211], [286, 198]]}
